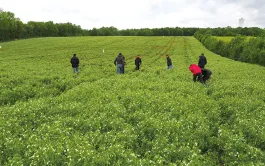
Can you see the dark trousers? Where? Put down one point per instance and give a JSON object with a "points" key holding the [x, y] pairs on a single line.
{"points": [[198, 77], [201, 66], [137, 67], [122, 71], [205, 77]]}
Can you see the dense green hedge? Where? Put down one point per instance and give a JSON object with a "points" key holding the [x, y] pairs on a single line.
{"points": [[250, 51]]}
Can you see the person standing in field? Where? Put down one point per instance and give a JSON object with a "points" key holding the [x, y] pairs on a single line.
{"points": [[75, 63], [169, 62], [197, 72], [202, 61], [119, 62], [138, 62], [206, 74]]}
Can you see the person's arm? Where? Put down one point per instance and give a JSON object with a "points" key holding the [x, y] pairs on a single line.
{"points": [[115, 61], [123, 61]]}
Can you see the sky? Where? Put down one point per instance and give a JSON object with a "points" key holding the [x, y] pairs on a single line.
{"points": [[128, 14]]}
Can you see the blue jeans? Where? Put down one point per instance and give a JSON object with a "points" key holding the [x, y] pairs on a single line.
{"points": [[170, 67], [75, 69], [119, 69]]}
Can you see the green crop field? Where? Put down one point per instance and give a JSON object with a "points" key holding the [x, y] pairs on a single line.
{"points": [[153, 116], [227, 39]]}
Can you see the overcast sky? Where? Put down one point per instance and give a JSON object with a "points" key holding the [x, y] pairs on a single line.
{"points": [[124, 14]]}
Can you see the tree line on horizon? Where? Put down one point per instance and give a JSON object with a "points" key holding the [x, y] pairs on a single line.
{"points": [[12, 28]]}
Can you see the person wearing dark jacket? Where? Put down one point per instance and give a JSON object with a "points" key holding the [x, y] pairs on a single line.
{"points": [[138, 62], [202, 61], [75, 63], [206, 74], [119, 62], [169, 62]]}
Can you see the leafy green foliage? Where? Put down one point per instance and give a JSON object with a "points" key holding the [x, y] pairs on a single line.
{"points": [[149, 117], [242, 48]]}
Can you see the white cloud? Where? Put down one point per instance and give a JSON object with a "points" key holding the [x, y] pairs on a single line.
{"points": [[140, 13]]}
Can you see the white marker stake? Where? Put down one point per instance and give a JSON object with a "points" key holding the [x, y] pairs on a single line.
{"points": [[0, 46], [103, 51]]}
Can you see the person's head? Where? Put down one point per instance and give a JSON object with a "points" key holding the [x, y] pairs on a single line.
{"points": [[120, 53], [74, 54], [167, 56], [202, 54], [137, 56]]}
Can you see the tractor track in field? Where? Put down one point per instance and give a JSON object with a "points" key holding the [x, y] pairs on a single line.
{"points": [[165, 49], [186, 51], [158, 51]]}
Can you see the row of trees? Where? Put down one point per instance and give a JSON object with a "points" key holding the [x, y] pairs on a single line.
{"points": [[229, 31], [112, 31], [239, 48], [13, 28], [177, 31]]}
